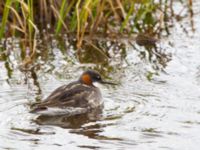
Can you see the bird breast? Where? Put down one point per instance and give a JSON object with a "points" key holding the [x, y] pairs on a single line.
{"points": [[95, 99]]}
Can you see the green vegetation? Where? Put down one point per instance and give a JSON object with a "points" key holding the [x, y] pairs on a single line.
{"points": [[5, 17], [83, 18]]}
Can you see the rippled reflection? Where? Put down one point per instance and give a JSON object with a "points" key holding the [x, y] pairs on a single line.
{"points": [[69, 121]]}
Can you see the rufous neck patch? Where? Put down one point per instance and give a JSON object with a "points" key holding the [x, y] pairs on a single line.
{"points": [[86, 79]]}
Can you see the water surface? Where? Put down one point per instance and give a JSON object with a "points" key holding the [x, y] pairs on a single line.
{"points": [[160, 113]]}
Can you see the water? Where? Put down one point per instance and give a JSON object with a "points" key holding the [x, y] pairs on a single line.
{"points": [[163, 113]]}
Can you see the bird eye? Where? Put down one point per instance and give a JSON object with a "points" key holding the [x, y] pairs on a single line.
{"points": [[98, 77]]}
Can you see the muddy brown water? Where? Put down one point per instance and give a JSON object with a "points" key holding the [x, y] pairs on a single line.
{"points": [[161, 113]]}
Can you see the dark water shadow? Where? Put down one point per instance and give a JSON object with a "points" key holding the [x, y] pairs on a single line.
{"points": [[68, 121], [149, 50], [36, 131], [83, 124]]}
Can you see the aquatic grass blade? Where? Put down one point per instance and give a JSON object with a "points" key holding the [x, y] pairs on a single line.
{"points": [[5, 17]]}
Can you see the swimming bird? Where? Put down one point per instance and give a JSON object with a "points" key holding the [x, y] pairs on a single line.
{"points": [[77, 97]]}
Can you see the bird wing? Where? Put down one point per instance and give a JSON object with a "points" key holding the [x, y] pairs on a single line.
{"points": [[71, 95]]}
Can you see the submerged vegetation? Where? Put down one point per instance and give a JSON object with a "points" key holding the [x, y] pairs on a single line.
{"points": [[85, 21]]}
